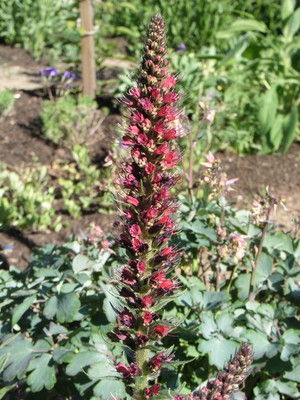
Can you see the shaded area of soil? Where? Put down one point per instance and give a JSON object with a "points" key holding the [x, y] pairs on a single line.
{"points": [[21, 139]]}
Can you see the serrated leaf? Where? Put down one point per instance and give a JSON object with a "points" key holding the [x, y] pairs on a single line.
{"points": [[294, 374], [64, 306], [20, 309], [218, 349], [43, 373]]}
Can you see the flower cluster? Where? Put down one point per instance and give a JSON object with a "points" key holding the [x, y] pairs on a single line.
{"points": [[215, 178], [62, 82], [146, 179], [231, 246], [263, 207], [229, 379]]}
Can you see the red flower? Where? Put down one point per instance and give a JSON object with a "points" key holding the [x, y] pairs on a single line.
{"points": [[137, 244], [132, 200], [147, 317], [126, 318], [159, 359], [147, 301], [133, 370], [128, 277], [135, 92], [171, 97], [134, 130], [137, 117], [153, 390], [171, 159], [142, 139], [162, 149], [161, 330], [135, 230], [128, 141], [141, 267], [146, 104], [169, 82], [150, 167], [167, 285], [142, 339]]}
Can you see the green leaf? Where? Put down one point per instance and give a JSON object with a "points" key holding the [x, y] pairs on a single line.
{"points": [[64, 306], [292, 26], [287, 8], [290, 126], [276, 132], [82, 360], [260, 343], [20, 309], [243, 25], [264, 268], [218, 349], [107, 389], [43, 374], [294, 374], [20, 354], [5, 390], [267, 110], [291, 339], [81, 263]]}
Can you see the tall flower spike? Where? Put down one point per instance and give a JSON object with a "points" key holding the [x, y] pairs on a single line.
{"points": [[229, 379], [146, 180]]}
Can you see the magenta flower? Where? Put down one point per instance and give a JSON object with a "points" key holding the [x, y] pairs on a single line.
{"points": [[146, 180]]}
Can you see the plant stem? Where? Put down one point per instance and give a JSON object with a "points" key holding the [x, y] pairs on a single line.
{"points": [[258, 254], [141, 381]]}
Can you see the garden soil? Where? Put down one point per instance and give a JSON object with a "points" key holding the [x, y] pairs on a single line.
{"points": [[21, 139]]}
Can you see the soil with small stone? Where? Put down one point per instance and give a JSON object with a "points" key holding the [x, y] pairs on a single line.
{"points": [[21, 139]]}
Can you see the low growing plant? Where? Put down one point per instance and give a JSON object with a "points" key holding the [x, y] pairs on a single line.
{"points": [[7, 101], [70, 120], [27, 199]]}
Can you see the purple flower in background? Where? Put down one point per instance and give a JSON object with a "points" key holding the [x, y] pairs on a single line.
{"points": [[69, 75], [181, 47], [49, 72]]}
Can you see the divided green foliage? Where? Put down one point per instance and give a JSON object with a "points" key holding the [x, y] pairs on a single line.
{"points": [[56, 314], [54, 325]]}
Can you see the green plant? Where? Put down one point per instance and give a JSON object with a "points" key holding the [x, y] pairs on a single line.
{"points": [[70, 120], [27, 199], [79, 184], [43, 28], [6, 103]]}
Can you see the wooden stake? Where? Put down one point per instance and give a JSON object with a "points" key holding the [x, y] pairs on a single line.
{"points": [[88, 52]]}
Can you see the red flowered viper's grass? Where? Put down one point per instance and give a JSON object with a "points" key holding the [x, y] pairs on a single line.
{"points": [[146, 282]]}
